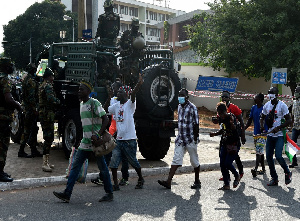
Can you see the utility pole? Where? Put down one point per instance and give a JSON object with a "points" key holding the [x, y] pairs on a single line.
{"points": [[81, 18]]}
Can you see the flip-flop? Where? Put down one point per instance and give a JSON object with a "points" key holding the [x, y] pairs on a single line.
{"points": [[164, 184]]}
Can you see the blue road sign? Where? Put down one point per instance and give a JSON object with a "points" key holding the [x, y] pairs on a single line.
{"points": [[216, 84], [279, 75]]}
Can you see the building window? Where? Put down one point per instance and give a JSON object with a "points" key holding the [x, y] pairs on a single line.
{"points": [[126, 10], [122, 10], [116, 8], [155, 16], [124, 27], [136, 12], [147, 12], [133, 12]]}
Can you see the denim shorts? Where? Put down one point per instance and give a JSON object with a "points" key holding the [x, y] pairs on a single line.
{"points": [[127, 148]]}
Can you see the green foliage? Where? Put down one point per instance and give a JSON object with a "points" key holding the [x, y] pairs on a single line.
{"points": [[250, 37], [41, 21]]}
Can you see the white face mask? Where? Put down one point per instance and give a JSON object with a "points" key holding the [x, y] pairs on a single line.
{"points": [[271, 96]]}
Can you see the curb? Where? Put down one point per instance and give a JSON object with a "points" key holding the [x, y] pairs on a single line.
{"points": [[29, 183]]}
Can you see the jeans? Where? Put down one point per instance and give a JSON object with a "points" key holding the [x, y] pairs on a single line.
{"points": [[124, 168], [127, 148], [80, 157], [295, 135], [226, 161], [277, 144]]}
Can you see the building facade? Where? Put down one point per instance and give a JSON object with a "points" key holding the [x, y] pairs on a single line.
{"points": [[149, 16]]}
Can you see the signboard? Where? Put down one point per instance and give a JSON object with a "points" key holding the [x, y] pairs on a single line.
{"points": [[87, 34], [279, 75], [216, 84]]}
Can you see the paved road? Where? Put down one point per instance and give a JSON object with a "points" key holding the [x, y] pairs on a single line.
{"points": [[252, 200]]}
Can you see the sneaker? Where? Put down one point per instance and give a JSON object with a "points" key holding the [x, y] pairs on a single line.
{"points": [[107, 197], [288, 178], [123, 182], [97, 181], [236, 181], [116, 187], [293, 165], [62, 195], [224, 188], [196, 186], [254, 172], [164, 184], [5, 178], [140, 184], [273, 183]]}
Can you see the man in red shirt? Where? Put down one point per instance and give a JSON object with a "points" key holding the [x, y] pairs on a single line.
{"points": [[234, 109]]}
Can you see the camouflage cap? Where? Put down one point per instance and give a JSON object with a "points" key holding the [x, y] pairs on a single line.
{"points": [[108, 3], [48, 72], [135, 22]]}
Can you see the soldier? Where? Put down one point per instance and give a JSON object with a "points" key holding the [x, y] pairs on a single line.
{"points": [[30, 102], [7, 105], [47, 103], [132, 46], [109, 25]]}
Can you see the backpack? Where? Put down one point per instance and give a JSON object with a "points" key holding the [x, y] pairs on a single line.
{"points": [[270, 117]]}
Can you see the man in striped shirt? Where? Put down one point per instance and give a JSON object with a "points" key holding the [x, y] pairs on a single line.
{"points": [[94, 122], [186, 140]]}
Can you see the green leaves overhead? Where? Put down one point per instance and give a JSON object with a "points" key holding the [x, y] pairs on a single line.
{"points": [[250, 37]]}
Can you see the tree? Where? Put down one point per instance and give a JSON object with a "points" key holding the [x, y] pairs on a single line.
{"points": [[250, 37], [41, 23]]}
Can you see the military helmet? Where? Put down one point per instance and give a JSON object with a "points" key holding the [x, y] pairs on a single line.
{"points": [[135, 22], [108, 3], [31, 68], [48, 72], [6, 65]]}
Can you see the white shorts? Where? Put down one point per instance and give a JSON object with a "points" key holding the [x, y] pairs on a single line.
{"points": [[179, 152]]}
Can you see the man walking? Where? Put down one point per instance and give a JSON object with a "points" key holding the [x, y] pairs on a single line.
{"points": [[126, 134], [186, 140], [278, 118], [92, 114], [296, 122], [7, 105], [30, 101]]}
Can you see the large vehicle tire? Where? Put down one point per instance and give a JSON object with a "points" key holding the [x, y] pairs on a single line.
{"points": [[153, 147], [17, 127], [72, 131], [147, 96]]}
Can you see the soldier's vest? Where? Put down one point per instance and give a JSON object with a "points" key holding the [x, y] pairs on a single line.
{"points": [[5, 111], [43, 103], [25, 86]]}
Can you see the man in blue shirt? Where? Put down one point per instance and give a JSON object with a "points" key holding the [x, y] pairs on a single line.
{"points": [[255, 116]]}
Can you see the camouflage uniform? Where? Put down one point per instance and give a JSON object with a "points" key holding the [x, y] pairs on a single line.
{"points": [[108, 26], [130, 55], [47, 103], [5, 118], [30, 103]]}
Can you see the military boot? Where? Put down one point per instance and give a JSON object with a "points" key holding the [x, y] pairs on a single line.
{"points": [[22, 153], [4, 177], [35, 152], [46, 167]]}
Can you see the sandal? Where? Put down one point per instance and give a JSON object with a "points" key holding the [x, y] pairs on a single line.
{"points": [[140, 184], [164, 184], [224, 188]]}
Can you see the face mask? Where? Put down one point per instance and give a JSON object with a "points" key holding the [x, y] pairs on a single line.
{"points": [[181, 100], [271, 96]]}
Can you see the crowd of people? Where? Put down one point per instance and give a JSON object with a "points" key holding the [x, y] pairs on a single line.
{"points": [[270, 119]]}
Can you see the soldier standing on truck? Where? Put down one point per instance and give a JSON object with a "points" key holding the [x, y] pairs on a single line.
{"points": [[132, 46], [30, 102], [7, 105], [47, 103], [109, 25]]}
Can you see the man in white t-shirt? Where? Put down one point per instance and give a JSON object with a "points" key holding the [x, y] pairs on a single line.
{"points": [[280, 118], [123, 112]]}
